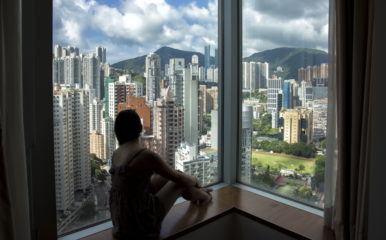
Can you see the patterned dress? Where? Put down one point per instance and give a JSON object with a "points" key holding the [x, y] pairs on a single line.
{"points": [[136, 212]]}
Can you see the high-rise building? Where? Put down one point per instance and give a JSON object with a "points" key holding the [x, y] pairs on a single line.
{"points": [[153, 77], [246, 78], [201, 74], [319, 123], [72, 70], [263, 74], [58, 70], [107, 81], [145, 112], [298, 124], [216, 63], [191, 102], [214, 129], [176, 78], [274, 102], [288, 94], [168, 126], [212, 99], [117, 94], [246, 144], [203, 166], [310, 72], [96, 115], [207, 57], [108, 138], [91, 74], [57, 51], [97, 144], [71, 141], [101, 54]]}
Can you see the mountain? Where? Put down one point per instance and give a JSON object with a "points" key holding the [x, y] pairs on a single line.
{"points": [[290, 59], [137, 65]]}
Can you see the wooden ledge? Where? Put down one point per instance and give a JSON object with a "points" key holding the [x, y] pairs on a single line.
{"points": [[186, 217]]}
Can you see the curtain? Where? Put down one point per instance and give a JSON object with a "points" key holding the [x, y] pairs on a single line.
{"points": [[351, 37], [14, 206]]}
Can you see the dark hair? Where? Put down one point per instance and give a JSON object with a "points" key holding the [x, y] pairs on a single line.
{"points": [[128, 126]]}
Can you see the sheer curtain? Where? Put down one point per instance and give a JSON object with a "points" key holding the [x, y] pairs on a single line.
{"points": [[14, 206], [351, 37]]}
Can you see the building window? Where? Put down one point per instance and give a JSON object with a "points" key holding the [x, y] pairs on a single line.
{"points": [[95, 67], [284, 98]]}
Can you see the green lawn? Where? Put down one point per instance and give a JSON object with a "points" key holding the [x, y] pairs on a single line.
{"points": [[280, 162]]}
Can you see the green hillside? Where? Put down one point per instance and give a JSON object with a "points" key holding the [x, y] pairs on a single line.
{"points": [[290, 59]]}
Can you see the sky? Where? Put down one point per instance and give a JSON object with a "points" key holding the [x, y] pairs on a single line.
{"points": [[131, 28]]}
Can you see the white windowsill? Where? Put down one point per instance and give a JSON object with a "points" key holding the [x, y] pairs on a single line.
{"points": [[107, 225]]}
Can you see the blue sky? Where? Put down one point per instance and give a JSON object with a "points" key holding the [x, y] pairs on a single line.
{"points": [[130, 28]]}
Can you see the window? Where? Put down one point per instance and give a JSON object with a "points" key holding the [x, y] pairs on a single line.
{"points": [[169, 48], [284, 98]]}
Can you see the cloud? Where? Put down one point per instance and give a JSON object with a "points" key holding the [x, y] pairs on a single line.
{"points": [[270, 24], [135, 26], [130, 28]]}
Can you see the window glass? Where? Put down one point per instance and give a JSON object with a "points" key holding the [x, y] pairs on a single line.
{"points": [[284, 97], [157, 57]]}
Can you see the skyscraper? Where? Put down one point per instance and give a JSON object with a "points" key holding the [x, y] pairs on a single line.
{"points": [[58, 70], [176, 78], [191, 102], [275, 86], [263, 75], [153, 77], [72, 70], [168, 125], [91, 74], [97, 144], [108, 138], [216, 57], [207, 57], [101, 54], [246, 78], [96, 115], [71, 141], [246, 144], [287, 94], [297, 125], [319, 123]]}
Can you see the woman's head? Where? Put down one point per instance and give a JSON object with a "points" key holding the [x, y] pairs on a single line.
{"points": [[128, 126]]}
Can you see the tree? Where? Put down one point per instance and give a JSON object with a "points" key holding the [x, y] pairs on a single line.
{"points": [[140, 79], [265, 179], [319, 169], [96, 163], [101, 174], [303, 192]]}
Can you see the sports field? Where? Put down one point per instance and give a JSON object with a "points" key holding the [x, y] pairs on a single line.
{"points": [[278, 161]]}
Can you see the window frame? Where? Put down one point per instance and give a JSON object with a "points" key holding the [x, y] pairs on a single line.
{"points": [[37, 75]]}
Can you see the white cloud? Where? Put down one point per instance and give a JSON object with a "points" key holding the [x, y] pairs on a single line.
{"points": [[136, 27]]}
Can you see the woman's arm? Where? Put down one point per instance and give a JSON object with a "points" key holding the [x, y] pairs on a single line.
{"points": [[159, 166]]}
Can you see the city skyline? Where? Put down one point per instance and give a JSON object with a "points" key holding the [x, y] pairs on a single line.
{"points": [[136, 28]]}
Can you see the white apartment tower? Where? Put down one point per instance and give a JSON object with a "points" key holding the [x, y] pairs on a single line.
{"points": [[191, 102], [96, 115], [72, 70], [153, 77], [176, 78], [275, 87], [71, 141], [108, 138], [91, 74]]}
